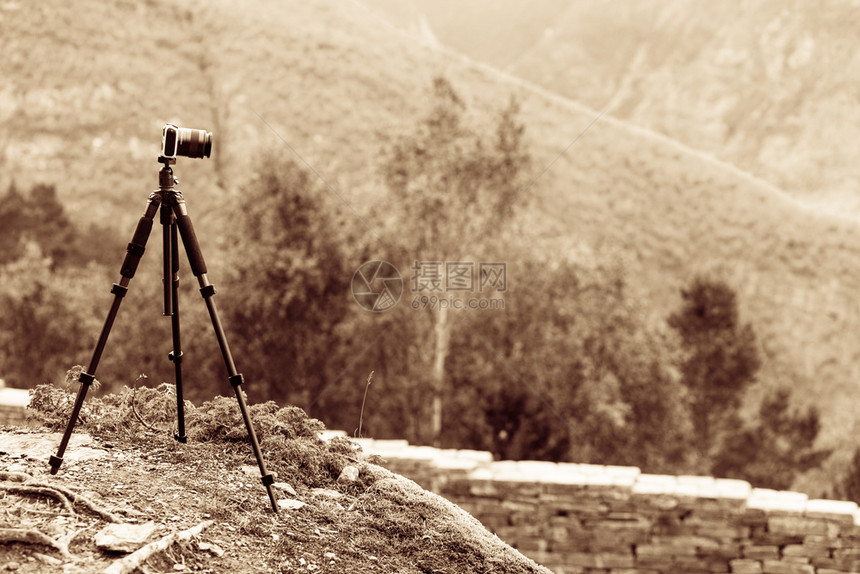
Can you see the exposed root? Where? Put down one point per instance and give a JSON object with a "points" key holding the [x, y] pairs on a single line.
{"points": [[14, 476], [138, 557], [23, 483], [28, 488], [82, 501], [31, 536]]}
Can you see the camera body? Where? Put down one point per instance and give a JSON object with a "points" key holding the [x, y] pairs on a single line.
{"points": [[187, 142]]}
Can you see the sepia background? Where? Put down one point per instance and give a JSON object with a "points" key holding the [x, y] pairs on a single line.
{"points": [[671, 187]]}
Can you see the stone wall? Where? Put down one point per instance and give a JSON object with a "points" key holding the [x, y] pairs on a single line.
{"points": [[13, 404], [580, 518]]}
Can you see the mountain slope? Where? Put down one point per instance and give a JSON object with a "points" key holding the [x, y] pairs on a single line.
{"points": [[91, 84], [766, 85]]}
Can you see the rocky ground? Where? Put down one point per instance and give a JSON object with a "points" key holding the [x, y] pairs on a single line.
{"points": [[142, 483]]}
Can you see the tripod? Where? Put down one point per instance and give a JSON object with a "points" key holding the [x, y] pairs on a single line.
{"points": [[173, 216]]}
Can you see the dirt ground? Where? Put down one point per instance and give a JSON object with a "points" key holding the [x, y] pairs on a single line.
{"points": [[379, 523]]}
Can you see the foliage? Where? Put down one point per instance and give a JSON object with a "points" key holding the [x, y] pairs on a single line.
{"points": [[695, 211], [394, 346], [449, 183], [720, 365], [48, 275], [672, 209], [52, 407], [220, 420], [38, 217], [289, 287], [288, 437], [46, 316], [849, 485], [457, 192], [577, 373], [779, 445], [721, 357]]}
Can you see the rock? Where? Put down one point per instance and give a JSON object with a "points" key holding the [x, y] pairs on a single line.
{"points": [[290, 504], [286, 487], [348, 475], [327, 492], [12, 566], [49, 560], [41, 446], [211, 548], [123, 538]]}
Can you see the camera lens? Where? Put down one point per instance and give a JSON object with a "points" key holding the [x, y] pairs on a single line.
{"points": [[194, 143]]}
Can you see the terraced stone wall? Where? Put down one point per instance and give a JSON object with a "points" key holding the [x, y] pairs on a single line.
{"points": [[579, 518]]}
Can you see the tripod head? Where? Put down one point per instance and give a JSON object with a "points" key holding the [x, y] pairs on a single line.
{"points": [[166, 181]]}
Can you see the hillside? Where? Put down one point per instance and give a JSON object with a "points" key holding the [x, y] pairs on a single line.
{"points": [[764, 85], [91, 84], [128, 477]]}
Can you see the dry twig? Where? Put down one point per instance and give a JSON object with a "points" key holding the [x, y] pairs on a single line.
{"points": [[361, 415], [137, 415]]}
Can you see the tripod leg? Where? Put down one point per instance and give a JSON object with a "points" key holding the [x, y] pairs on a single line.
{"points": [[198, 267], [171, 308], [134, 252]]}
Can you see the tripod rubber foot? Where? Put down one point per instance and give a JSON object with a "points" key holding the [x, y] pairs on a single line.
{"points": [[183, 439], [55, 462]]}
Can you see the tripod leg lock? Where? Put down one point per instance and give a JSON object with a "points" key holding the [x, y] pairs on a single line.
{"points": [[86, 378], [207, 291], [119, 290], [268, 479], [55, 462], [236, 380], [175, 358]]}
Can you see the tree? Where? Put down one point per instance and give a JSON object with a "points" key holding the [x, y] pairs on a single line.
{"points": [[46, 316], [12, 210], [50, 276], [721, 358], [849, 487], [457, 191], [776, 448], [721, 363], [39, 217], [289, 285], [572, 369]]}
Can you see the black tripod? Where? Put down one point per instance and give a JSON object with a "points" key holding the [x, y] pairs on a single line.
{"points": [[173, 215]]}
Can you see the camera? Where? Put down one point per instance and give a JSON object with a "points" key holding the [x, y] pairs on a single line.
{"points": [[187, 142]]}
